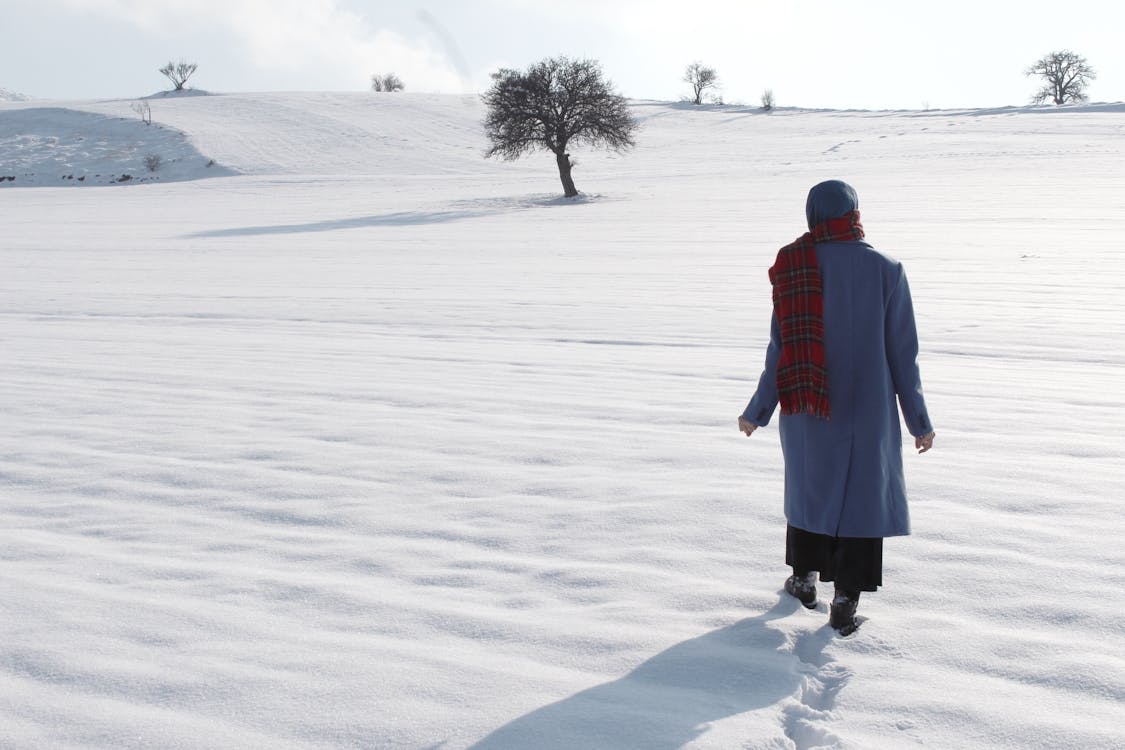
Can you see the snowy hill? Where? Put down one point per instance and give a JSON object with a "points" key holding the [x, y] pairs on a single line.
{"points": [[357, 134], [59, 146], [340, 134], [370, 442]]}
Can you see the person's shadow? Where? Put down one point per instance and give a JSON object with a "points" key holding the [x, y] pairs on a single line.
{"points": [[667, 701]]}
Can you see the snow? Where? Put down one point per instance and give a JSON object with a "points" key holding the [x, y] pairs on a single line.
{"points": [[370, 442]]}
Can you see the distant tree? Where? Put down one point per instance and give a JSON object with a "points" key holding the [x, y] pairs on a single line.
{"points": [[143, 110], [556, 103], [1065, 76], [178, 73], [700, 78], [767, 100], [386, 82]]}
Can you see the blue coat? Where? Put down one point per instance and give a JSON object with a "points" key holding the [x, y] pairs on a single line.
{"points": [[843, 476]]}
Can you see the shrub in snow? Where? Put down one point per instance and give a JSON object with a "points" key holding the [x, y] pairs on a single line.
{"points": [[12, 96], [153, 162], [386, 82], [178, 73], [143, 109], [767, 100]]}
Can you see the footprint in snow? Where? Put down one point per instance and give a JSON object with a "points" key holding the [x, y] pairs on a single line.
{"points": [[806, 718]]}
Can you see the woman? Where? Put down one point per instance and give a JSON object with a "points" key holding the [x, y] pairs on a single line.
{"points": [[843, 345]]}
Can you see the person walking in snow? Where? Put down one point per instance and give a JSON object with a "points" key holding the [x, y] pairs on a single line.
{"points": [[843, 345]]}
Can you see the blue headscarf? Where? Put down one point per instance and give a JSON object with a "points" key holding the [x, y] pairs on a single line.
{"points": [[830, 200]]}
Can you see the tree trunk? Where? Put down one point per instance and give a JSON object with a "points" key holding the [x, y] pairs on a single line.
{"points": [[564, 174]]}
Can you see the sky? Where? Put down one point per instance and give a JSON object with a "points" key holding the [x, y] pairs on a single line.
{"points": [[869, 54]]}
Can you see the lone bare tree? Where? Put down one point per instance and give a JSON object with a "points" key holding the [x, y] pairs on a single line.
{"points": [[700, 78], [386, 82], [556, 103], [178, 72], [1065, 76], [143, 110]]}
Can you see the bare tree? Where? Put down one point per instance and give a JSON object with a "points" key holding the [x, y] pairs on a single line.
{"points": [[556, 103], [700, 78], [143, 110], [178, 73], [386, 82], [767, 100], [1065, 76]]}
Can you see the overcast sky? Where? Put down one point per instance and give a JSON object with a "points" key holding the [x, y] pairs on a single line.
{"points": [[868, 54]]}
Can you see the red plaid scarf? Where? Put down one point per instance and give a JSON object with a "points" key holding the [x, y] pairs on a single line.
{"points": [[802, 371]]}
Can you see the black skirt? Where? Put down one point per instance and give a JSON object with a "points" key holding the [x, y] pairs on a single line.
{"points": [[854, 563]]}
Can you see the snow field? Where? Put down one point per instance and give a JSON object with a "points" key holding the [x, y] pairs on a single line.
{"points": [[379, 444]]}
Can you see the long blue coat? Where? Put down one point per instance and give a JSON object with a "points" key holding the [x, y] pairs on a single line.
{"points": [[843, 476]]}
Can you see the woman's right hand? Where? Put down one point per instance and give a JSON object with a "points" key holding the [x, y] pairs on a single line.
{"points": [[746, 426]]}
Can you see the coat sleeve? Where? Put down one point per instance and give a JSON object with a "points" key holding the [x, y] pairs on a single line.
{"points": [[901, 336], [761, 406]]}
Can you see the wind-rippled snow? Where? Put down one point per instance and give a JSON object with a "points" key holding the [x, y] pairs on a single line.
{"points": [[382, 445]]}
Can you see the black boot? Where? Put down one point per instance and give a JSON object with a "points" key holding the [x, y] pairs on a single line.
{"points": [[841, 616], [803, 587]]}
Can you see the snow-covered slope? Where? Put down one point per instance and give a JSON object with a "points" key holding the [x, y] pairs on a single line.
{"points": [[50, 146], [378, 444], [308, 134]]}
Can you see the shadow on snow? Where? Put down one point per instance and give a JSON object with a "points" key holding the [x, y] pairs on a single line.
{"points": [[456, 211], [670, 699], [401, 219]]}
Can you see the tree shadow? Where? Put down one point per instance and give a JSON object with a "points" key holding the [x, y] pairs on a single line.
{"points": [[453, 211], [399, 218], [668, 700]]}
